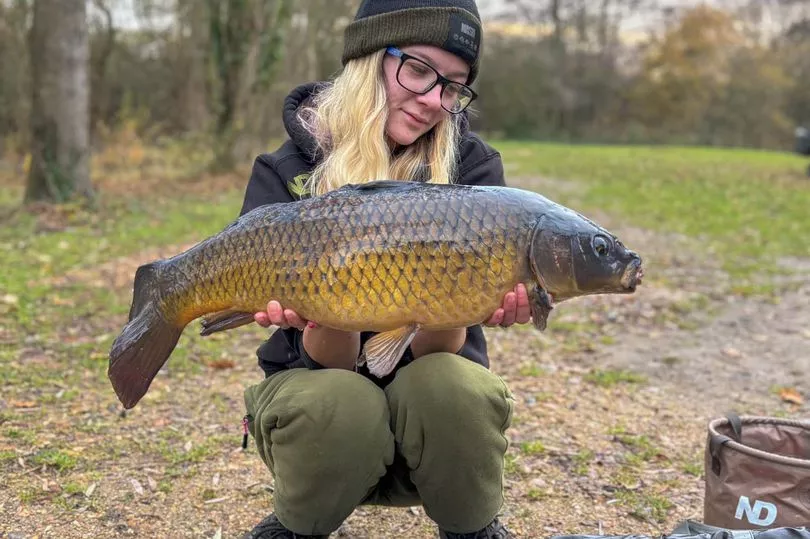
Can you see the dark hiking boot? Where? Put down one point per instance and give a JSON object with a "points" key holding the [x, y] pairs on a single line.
{"points": [[494, 530], [271, 528]]}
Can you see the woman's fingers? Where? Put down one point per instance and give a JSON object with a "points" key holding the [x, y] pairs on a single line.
{"points": [[262, 319], [495, 319], [523, 312], [293, 320], [276, 315], [514, 310], [509, 309]]}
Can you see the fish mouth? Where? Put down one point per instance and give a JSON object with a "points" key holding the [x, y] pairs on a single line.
{"points": [[632, 276]]}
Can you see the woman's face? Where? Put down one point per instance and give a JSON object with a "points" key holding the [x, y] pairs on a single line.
{"points": [[411, 115]]}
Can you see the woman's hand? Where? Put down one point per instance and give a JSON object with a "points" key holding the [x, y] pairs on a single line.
{"points": [[276, 315], [514, 310]]}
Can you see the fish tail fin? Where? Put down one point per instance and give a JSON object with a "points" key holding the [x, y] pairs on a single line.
{"points": [[144, 344]]}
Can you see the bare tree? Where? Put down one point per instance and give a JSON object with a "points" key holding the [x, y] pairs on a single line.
{"points": [[60, 116], [14, 81], [100, 53], [246, 41]]}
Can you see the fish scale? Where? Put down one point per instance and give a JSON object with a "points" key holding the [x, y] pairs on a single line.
{"points": [[388, 257]]}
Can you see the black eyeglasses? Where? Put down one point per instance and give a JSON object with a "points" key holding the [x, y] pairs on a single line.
{"points": [[420, 77]]}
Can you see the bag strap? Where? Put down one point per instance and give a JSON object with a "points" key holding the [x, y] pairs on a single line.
{"points": [[716, 442], [736, 426]]}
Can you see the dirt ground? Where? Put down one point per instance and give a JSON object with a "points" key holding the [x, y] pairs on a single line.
{"points": [[612, 403]]}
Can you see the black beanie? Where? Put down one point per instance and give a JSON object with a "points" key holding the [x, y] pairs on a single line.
{"points": [[453, 25]]}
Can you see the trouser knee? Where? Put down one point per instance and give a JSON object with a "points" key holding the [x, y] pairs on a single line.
{"points": [[326, 438], [450, 390], [449, 417]]}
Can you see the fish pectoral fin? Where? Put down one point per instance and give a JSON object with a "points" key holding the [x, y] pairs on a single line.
{"points": [[383, 351], [223, 320], [541, 306]]}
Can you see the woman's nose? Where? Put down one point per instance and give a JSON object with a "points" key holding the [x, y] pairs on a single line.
{"points": [[433, 98]]}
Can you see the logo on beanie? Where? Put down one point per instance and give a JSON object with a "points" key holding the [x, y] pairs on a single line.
{"points": [[463, 39], [467, 29]]}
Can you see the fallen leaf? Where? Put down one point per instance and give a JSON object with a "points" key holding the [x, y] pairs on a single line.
{"points": [[90, 490], [23, 404], [789, 394], [222, 364], [731, 352], [187, 446], [137, 486], [215, 480], [10, 299], [151, 483]]}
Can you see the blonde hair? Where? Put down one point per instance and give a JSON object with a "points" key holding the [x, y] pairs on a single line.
{"points": [[347, 119]]}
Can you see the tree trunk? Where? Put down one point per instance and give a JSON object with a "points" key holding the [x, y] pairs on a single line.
{"points": [[243, 34], [60, 115], [196, 113], [100, 55]]}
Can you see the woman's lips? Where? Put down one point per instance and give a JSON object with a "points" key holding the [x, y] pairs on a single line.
{"points": [[415, 119]]}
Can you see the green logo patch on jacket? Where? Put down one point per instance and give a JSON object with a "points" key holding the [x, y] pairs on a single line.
{"points": [[298, 186]]}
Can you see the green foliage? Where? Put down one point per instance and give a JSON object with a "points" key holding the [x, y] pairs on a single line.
{"points": [[644, 506], [611, 378], [581, 461], [533, 448], [55, 459], [694, 468], [71, 488]]}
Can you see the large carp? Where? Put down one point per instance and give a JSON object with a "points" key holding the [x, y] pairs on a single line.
{"points": [[388, 256]]}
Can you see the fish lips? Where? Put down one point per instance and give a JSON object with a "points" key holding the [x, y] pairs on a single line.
{"points": [[632, 276]]}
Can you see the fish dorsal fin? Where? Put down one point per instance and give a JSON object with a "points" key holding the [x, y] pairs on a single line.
{"points": [[382, 185], [383, 351]]}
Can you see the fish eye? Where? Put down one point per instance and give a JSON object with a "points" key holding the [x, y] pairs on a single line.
{"points": [[601, 245]]}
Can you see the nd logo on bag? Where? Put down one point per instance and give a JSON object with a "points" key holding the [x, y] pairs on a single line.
{"points": [[761, 514]]}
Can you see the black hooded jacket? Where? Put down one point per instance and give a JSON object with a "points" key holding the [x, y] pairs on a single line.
{"points": [[278, 177]]}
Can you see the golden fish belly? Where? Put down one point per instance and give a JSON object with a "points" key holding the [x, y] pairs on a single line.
{"points": [[434, 287]]}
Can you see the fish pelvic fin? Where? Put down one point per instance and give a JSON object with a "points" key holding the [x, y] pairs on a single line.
{"points": [[383, 351], [541, 306], [144, 344], [225, 320]]}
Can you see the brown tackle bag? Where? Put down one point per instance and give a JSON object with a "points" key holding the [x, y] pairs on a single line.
{"points": [[757, 473]]}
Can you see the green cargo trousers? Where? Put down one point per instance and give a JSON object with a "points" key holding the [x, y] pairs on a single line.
{"points": [[333, 440]]}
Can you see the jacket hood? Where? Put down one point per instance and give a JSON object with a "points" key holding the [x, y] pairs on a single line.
{"points": [[300, 96], [303, 96]]}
